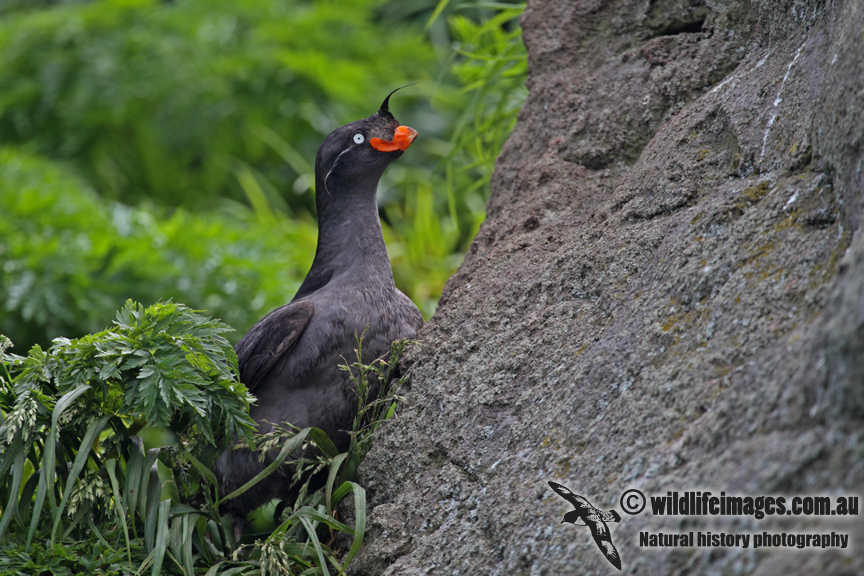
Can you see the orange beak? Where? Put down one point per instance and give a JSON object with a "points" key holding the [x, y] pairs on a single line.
{"points": [[402, 139]]}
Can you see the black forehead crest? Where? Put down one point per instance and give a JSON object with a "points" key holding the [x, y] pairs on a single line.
{"points": [[385, 106]]}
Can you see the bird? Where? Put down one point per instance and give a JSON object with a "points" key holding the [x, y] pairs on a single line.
{"points": [[290, 358], [595, 519]]}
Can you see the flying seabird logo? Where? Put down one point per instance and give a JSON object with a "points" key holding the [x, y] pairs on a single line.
{"points": [[585, 514]]}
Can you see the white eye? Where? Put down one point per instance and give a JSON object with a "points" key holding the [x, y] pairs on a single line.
{"points": [[359, 138]]}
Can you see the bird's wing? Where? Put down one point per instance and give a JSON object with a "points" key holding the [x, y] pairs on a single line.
{"points": [[270, 339], [610, 516], [603, 538], [578, 501]]}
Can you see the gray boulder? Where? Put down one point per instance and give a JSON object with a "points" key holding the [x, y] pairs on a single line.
{"points": [[667, 295]]}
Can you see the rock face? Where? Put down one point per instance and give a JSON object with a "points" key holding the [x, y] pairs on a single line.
{"points": [[667, 294]]}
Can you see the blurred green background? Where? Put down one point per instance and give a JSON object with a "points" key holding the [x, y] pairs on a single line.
{"points": [[164, 149]]}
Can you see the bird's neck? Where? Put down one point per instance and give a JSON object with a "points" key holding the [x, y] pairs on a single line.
{"points": [[350, 240]]}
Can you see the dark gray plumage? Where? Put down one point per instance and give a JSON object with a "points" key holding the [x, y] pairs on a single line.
{"points": [[290, 358]]}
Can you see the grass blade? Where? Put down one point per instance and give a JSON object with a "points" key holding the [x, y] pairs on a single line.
{"points": [[312, 514], [161, 545], [6, 465], [83, 512], [147, 469], [214, 570], [49, 464], [11, 507], [289, 447], [111, 466], [323, 442], [98, 534], [146, 562], [176, 533], [187, 558], [442, 4], [331, 478], [359, 521], [26, 495], [204, 470], [313, 536], [90, 436], [133, 479], [151, 516]]}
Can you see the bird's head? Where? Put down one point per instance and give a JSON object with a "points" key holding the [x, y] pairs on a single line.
{"points": [[356, 154], [574, 517]]}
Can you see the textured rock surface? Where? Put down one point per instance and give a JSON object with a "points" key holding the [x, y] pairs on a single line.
{"points": [[667, 294]]}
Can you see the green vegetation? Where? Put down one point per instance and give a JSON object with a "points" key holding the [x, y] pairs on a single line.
{"points": [[154, 150], [68, 255], [82, 494], [166, 100], [162, 152]]}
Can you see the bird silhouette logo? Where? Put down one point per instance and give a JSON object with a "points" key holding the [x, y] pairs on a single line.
{"points": [[585, 514]]}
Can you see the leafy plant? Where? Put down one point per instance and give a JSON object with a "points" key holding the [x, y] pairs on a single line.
{"points": [[490, 63], [82, 494], [126, 110], [166, 100], [72, 467], [68, 258]]}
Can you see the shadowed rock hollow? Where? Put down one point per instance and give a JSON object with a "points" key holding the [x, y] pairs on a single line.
{"points": [[667, 294]]}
